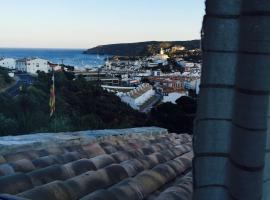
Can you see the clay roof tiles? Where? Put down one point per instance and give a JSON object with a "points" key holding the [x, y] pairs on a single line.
{"points": [[125, 166]]}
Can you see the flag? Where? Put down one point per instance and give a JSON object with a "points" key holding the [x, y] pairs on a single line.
{"points": [[52, 97]]}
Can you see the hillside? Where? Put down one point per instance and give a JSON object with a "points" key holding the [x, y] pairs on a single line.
{"points": [[82, 105], [140, 48]]}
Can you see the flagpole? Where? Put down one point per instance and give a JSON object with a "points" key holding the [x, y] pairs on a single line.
{"points": [[52, 100], [54, 103]]}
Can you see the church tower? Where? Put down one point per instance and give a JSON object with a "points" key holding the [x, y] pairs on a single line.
{"points": [[161, 51]]}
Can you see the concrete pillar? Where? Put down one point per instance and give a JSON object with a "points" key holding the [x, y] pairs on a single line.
{"points": [[251, 110], [232, 138], [212, 139]]}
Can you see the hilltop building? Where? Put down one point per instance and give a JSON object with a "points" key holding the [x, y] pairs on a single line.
{"points": [[178, 48], [158, 59]]}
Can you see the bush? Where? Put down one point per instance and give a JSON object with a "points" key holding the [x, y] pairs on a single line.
{"points": [[175, 117], [4, 73], [7, 126]]}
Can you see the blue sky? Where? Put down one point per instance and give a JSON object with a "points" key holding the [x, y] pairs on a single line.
{"points": [[87, 23]]}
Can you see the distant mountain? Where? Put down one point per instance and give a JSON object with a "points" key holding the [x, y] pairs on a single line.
{"points": [[140, 48]]}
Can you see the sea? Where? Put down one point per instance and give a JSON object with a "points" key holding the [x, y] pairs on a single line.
{"points": [[72, 57]]}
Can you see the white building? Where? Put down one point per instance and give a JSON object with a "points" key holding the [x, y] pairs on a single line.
{"points": [[145, 73], [156, 73], [108, 64], [172, 97], [21, 65], [151, 64], [185, 64], [178, 48], [137, 97], [9, 63], [32, 66], [158, 59], [193, 85], [138, 64]]}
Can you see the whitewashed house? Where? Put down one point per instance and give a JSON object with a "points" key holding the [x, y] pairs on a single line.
{"points": [[37, 64], [156, 73], [137, 97], [178, 48], [8, 63], [158, 59], [172, 97], [33, 65], [193, 85], [21, 65], [186, 65]]}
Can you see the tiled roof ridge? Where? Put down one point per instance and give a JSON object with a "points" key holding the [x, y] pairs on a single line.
{"points": [[44, 140], [77, 179], [80, 154], [159, 170]]}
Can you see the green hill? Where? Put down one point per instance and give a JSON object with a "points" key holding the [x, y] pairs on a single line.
{"points": [[140, 48]]}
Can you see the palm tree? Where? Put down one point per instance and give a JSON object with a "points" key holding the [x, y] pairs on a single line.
{"points": [[232, 118]]}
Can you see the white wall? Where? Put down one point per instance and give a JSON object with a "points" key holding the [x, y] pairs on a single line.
{"points": [[130, 101], [136, 103], [21, 66], [37, 65], [172, 97], [9, 63], [144, 97]]}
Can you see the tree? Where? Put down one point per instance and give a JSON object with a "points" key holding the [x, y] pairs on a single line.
{"points": [[7, 126], [172, 117], [187, 104]]}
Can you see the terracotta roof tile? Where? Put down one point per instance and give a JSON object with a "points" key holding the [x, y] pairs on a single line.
{"points": [[128, 166]]}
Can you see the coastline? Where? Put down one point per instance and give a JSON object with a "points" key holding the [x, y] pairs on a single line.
{"points": [[72, 57]]}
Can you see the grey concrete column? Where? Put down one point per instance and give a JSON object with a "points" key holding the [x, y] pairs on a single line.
{"points": [[213, 128], [251, 111]]}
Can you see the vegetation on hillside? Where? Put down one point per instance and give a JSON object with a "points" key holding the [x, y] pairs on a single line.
{"points": [[4, 78], [177, 117], [140, 48], [80, 105]]}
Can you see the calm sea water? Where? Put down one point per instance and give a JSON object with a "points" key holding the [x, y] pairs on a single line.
{"points": [[73, 57]]}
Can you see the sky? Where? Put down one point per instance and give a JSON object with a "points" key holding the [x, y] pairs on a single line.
{"points": [[88, 23]]}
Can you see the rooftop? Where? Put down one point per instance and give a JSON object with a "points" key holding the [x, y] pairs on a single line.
{"points": [[140, 163], [140, 90]]}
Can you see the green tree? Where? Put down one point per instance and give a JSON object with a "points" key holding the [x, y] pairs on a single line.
{"points": [[7, 126]]}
